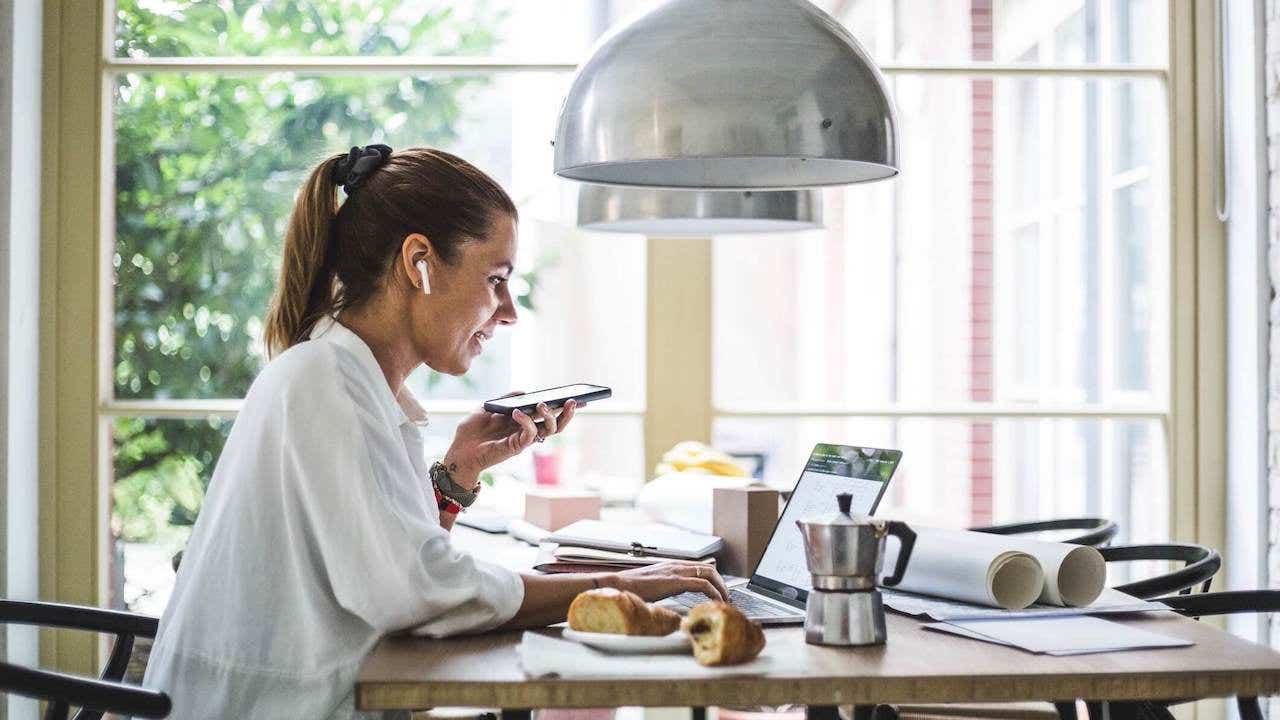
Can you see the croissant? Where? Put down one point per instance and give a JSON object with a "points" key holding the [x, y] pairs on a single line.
{"points": [[722, 635], [618, 612]]}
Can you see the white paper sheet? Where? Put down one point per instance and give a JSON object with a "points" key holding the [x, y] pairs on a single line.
{"points": [[1061, 635], [527, 531], [933, 608], [544, 655]]}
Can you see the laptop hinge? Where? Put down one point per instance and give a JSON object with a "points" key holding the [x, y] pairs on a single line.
{"points": [[776, 596]]}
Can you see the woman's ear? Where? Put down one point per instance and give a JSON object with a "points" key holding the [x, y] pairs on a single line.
{"points": [[416, 249]]}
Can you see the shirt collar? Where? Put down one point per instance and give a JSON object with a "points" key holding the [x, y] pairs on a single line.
{"points": [[404, 407]]}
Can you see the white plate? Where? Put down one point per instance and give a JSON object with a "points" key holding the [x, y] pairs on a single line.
{"points": [[676, 642]]}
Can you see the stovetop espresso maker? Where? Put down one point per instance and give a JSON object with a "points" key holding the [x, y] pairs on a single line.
{"points": [[845, 553]]}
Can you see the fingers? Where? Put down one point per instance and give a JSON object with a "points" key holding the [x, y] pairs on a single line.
{"points": [[524, 437], [705, 572], [566, 415], [695, 584], [548, 418], [714, 578]]}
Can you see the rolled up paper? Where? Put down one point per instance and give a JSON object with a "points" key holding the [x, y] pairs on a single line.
{"points": [[971, 567], [1000, 571]]}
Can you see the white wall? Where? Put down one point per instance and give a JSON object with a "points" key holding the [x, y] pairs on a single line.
{"points": [[20, 63]]}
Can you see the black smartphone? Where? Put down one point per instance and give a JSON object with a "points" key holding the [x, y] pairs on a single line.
{"points": [[553, 397]]}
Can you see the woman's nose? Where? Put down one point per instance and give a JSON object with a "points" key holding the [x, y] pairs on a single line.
{"points": [[506, 314]]}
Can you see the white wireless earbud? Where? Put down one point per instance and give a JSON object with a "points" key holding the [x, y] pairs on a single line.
{"points": [[422, 273]]}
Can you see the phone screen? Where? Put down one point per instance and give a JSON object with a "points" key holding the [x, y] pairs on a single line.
{"points": [[553, 394]]}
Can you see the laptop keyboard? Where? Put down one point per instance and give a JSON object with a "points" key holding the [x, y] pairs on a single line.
{"points": [[750, 605]]}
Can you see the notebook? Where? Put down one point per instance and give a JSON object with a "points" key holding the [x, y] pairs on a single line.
{"points": [[639, 540]]}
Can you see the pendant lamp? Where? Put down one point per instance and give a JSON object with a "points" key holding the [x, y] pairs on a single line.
{"points": [[696, 213], [728, 94]]}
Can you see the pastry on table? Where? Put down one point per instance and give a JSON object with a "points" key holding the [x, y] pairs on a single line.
{"points": [[618, 612], [722, 635]]}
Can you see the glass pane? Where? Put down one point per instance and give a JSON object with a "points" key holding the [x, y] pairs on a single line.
{"points": [[546, 29], [959, 473], [206, 171], [1089, 31], [996, 267], [604, 453], [160, 470], [1073, 32]]}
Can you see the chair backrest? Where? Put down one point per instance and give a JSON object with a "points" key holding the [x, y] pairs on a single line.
{"points": [[93, 696], [1200, 564], [1095, 532], [1224, 603]]}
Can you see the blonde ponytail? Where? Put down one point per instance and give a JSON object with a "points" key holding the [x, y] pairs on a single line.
{"points": [[305, 291]]}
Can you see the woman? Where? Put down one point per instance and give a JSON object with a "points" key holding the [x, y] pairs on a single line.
{"points": [[321, 531]]}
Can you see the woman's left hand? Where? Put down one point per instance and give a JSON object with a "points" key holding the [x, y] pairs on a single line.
{"points": [[485, 439]]}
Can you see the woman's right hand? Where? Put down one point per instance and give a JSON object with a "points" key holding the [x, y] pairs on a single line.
{"points": [[655, 582]]}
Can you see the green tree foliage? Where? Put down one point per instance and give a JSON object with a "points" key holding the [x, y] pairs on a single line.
{"points": [[206, 170]]}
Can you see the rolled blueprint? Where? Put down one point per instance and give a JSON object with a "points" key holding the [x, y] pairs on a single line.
{"points": [[1000, 571], [1074, 575], [969, 566]]}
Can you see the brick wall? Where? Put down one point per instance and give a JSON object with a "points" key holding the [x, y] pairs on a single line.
{"points": [[981, 468]]}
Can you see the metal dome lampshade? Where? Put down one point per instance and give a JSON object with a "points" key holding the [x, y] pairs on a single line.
{"points": [[696, 213], [728, 94]]}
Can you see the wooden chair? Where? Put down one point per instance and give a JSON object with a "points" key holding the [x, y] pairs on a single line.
{"points": [[94, 696]]}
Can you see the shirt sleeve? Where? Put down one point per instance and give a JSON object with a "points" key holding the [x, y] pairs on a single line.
{"points": [[370, 522]]}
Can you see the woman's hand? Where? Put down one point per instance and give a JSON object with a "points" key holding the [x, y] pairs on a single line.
{"points": [[655, 582], [485, 439]]}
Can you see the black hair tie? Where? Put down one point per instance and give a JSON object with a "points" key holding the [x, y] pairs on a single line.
{"points": [[351, 171]]}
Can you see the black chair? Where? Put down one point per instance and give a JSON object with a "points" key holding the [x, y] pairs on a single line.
{"points": [[1095, 532], [1200, 564], [1202, 605], [93, 696]]}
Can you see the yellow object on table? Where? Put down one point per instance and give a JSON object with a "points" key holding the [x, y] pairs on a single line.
{"points": [[696, 457]]}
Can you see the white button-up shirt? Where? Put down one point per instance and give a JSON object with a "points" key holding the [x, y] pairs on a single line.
{"points": [[319, 535]]}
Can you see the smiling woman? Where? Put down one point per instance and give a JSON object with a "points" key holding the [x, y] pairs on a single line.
{"points": [[325, 464]]}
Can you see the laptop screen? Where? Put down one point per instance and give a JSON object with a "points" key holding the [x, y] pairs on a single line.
{"points": [[831, 470]]}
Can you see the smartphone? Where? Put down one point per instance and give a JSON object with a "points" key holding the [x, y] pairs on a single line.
{"points": [[553, 397]]}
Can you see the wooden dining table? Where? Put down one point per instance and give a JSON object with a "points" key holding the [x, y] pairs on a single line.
{"points": [[915, 666]]}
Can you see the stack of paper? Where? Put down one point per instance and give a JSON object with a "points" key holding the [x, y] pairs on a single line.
{"points": [[1076, 635], [933, 608]]}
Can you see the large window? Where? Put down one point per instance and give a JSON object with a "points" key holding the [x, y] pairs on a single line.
{"points": [[999, 311]]}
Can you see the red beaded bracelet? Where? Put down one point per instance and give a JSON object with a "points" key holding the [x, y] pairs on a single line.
{"points": [[445, 504]]}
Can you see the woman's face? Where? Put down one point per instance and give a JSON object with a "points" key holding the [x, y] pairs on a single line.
{"points": [[469, 299]]}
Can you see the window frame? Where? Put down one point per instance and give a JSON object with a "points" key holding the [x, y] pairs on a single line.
{"points": [[76, 293]]}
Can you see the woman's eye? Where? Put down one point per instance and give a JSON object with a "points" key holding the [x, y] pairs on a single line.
{"points": [[496, 280]]}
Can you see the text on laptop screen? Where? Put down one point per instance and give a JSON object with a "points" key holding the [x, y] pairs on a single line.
{"points": [[831, 470]]}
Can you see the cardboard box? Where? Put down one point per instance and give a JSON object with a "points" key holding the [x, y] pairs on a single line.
{"points": [[554, 509], [744, 518]]}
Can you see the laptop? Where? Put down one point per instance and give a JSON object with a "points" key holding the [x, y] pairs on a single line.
{"points": [[779, 585]]}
